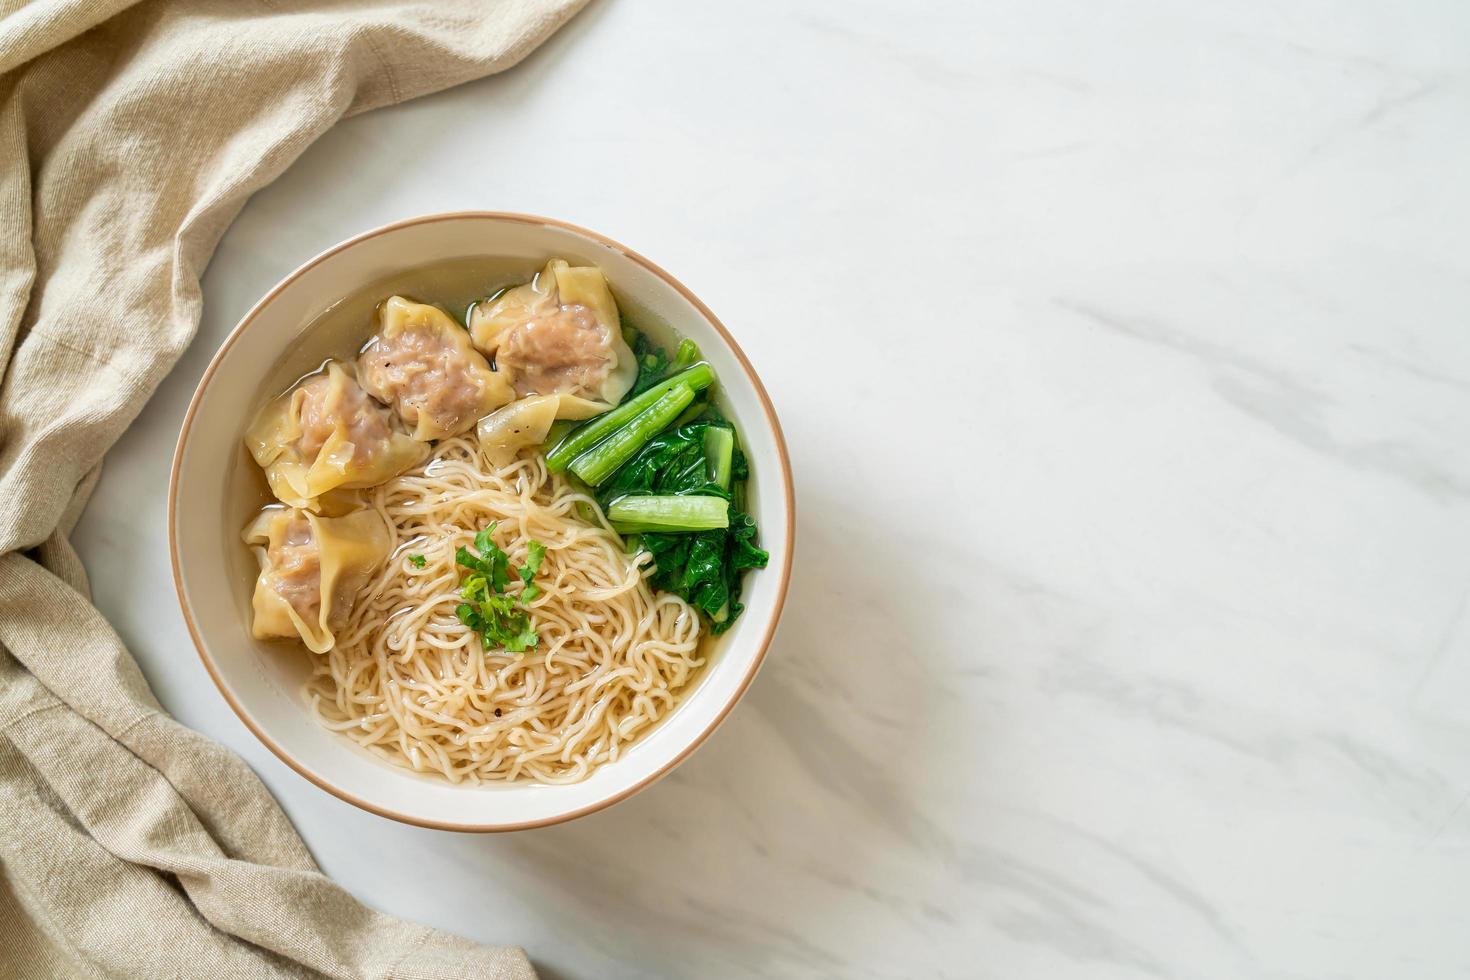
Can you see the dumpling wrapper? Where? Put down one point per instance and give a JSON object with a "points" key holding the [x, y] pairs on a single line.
{"points": [[521, 423], [311, 571], [422, 363], [339, 502], [327, 434], [559, 334]]}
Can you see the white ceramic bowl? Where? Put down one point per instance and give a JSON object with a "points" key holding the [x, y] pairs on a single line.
{"points": [[212, 479]]}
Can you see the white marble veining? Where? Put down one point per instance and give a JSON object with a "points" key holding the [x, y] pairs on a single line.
{"points": [[1124, 354]]}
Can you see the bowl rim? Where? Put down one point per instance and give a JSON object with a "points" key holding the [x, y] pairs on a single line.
{"points": [[784, 571]]}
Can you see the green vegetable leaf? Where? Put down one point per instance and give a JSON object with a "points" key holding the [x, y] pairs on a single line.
{"points": [[493, 562], [417, 561], [526, 639], [673, 462], [704, 567], [653, 363], [535, 554]]}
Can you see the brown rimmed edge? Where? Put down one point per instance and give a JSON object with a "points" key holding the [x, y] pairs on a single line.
{"points": [[745, 365]]}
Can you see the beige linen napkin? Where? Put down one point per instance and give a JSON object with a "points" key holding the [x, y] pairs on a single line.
{"points": [[130, 136]]}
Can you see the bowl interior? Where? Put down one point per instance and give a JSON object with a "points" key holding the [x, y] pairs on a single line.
{"points": [[215, 489]]}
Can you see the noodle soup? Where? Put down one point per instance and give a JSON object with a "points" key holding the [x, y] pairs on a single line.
{"points": [[502, 515]]}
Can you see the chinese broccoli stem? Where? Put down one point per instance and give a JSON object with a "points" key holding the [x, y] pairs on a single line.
{"points": [[686, 354], [719, 450], [679, 513], [599, 462], [584, 437], [557, 433], [694, 411]]}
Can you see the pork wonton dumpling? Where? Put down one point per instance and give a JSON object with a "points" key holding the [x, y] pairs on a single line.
{"points": [[559, 334], [311, 570], [326, 434], [422, 363]]}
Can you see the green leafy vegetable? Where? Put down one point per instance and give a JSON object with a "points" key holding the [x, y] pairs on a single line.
{"points": [[598, 463], [686, 354], [557, 433], [653, 364], [673, 462], [698, 409], [535, 552], [705, 566], [417, 561], [719, 450], [595, 430], [671, 494], [681, 512], [500, 619]]}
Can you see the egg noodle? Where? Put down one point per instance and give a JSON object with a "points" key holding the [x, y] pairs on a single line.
{"points": [[410, 682]]}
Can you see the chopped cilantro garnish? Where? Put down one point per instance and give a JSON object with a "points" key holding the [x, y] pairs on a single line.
{"points": [[535, 553], [500, 619]]}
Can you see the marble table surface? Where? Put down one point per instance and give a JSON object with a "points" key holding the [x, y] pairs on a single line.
{"points": [[1124, 356]]}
